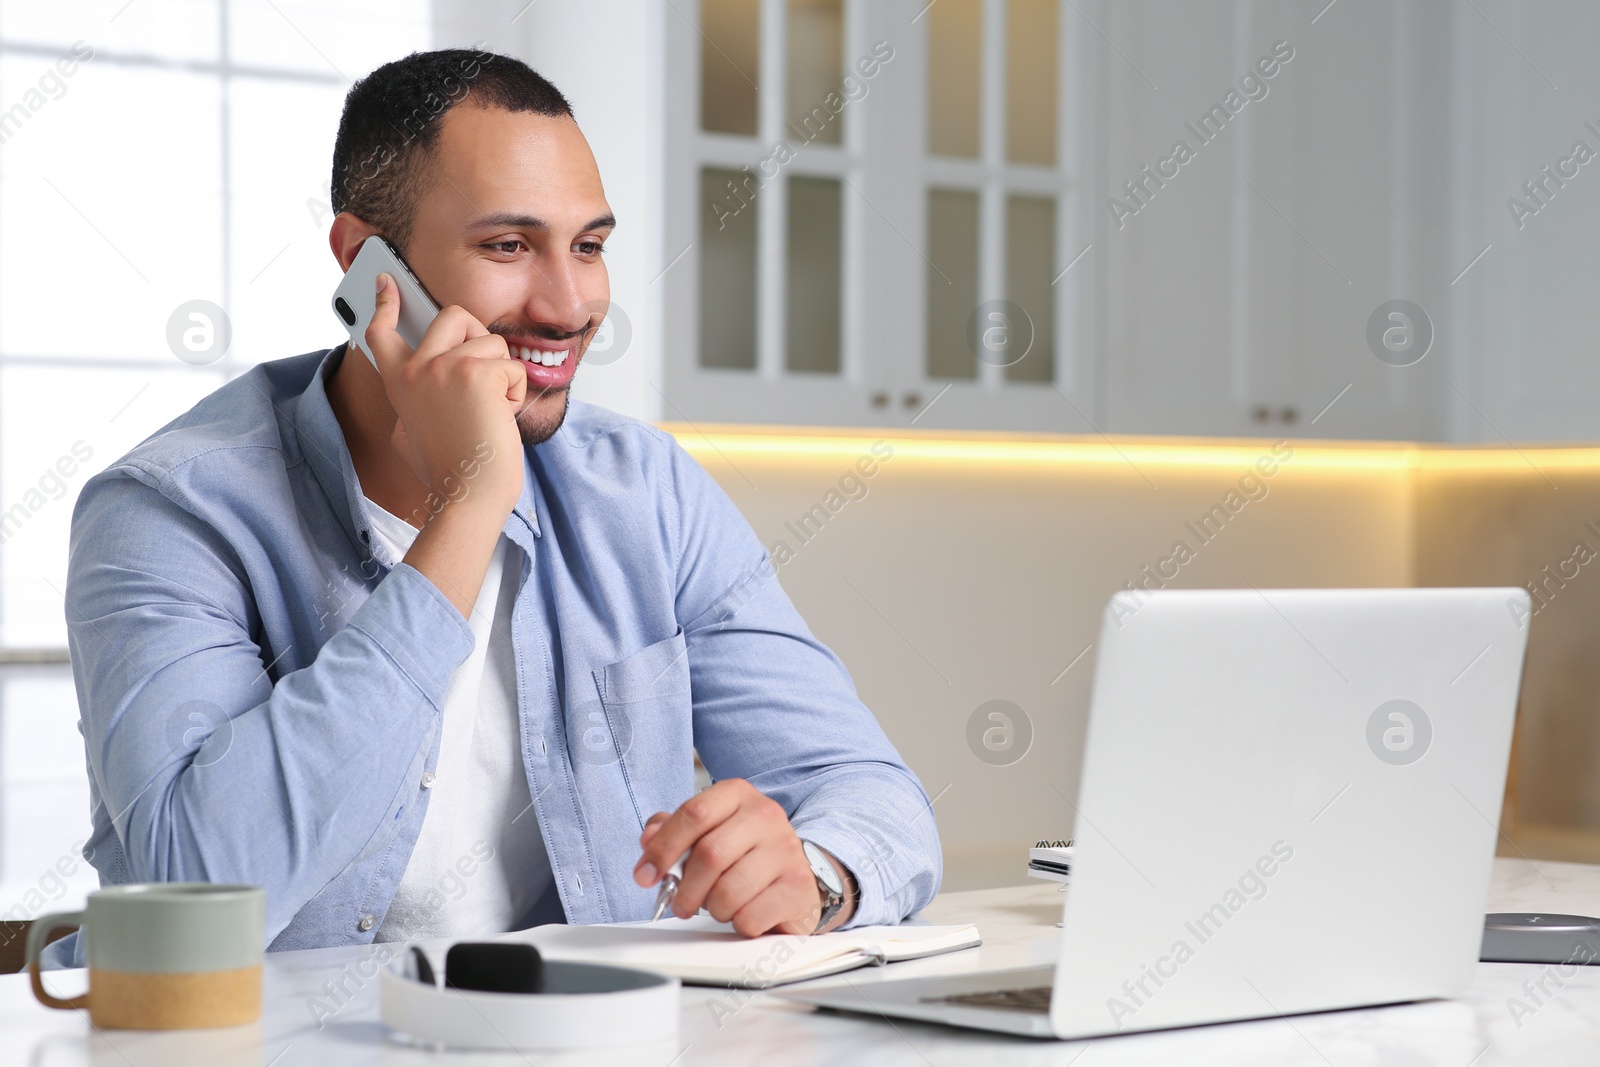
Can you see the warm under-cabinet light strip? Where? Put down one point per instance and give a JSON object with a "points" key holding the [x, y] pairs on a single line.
{"points": [[711, 441]]}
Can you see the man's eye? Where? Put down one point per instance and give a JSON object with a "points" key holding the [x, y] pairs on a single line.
{"points": [[591, 248], [508, 247]]}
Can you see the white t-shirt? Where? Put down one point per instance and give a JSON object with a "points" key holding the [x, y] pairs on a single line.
{"points": [[480, 861]]}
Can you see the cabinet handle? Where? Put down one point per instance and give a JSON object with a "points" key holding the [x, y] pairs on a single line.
{"points": [[1262, 413], [913, 400], [880, 400], [1289, 415]]}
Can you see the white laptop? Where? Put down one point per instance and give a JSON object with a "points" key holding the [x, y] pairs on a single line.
{"points": [[1289, 803]]}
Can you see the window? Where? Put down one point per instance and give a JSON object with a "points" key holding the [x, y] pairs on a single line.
{"points": [[152, 154]]}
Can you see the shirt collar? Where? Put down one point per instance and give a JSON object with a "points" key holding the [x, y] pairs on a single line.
{"points": [[325, 450]]}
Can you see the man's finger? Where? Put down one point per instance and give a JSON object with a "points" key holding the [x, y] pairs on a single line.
{"points": [[516, 386], [651, 825], [783, 906], [749, 876], [453, 325], [695, 817], [485, 346], [380, 337], [491, 349], [722, 855]]}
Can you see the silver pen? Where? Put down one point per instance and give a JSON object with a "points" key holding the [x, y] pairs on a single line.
{"points": [[669, 887]]}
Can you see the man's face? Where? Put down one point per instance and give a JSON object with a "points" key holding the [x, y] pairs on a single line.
{"points": [[510, 228]]}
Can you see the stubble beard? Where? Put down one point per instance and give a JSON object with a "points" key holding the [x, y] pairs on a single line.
{"points": [[536, 423]]}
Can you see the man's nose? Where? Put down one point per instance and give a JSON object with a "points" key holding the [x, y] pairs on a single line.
{"points": [[560, 300]]}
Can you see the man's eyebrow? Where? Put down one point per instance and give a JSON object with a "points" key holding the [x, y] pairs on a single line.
{"points": [[512, 220]]}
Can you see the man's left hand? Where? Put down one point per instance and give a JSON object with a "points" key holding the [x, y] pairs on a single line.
{"points": [[747, 866]]}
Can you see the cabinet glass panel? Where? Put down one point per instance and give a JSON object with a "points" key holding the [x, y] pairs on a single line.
{"points": [[816, 58], [727, 272], [955, 32], [1030, 266], [952, 292], [730, 65], [812, 320], [1031, 40]]}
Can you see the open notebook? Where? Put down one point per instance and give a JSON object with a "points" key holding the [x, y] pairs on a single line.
{"points": [[701, 951]]}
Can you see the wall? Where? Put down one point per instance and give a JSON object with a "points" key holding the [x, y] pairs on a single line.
{"points": [[956, 581], [1530, 522]]}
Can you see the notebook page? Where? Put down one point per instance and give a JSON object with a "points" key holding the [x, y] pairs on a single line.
{"points": [[701, 950]]}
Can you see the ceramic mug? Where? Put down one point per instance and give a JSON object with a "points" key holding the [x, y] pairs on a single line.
{"points": [[164, 955]]}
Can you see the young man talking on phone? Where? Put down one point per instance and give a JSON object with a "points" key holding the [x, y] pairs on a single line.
{"points": [[428, 649]]}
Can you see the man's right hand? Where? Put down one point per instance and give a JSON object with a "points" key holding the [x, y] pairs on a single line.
{"points": [[457, 393]]}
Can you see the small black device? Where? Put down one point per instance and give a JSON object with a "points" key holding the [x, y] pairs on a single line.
{"points": [[486, 966], [424, 969]]}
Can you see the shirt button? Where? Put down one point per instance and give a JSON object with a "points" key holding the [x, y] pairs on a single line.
{"points": [[366, 923], [427, 779]]}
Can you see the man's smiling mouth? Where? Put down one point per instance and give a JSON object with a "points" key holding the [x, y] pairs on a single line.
{"points": [[545, 356]]}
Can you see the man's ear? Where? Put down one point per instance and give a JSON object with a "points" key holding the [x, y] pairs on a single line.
{"points": [[346, 236]]}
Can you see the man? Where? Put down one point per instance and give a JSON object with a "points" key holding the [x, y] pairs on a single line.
{"points": [[428, 649]]}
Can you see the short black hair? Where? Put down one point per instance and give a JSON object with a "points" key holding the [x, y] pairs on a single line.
{"points": [[390, 125]]}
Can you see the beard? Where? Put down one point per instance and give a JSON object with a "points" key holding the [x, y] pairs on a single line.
{"points": [[538, 421]]}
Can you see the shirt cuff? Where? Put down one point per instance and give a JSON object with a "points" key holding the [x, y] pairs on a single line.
{"points": [[420, 629], [874, 903]]}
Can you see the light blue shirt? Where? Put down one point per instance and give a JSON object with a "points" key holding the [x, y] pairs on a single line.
{"points": [[260, 687]]}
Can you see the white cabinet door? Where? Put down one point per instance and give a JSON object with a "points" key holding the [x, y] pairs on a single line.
{"points": [[1527, 308], [1243, 267], [764, 194], [775, 278], [996, 270], [1178, 356]]}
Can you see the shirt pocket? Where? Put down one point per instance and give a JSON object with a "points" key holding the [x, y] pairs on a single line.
{"points": [[649, 715], [655, 671]]}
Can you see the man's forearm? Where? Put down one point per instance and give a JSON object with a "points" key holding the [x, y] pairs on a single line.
{"points": [[453, 550]]}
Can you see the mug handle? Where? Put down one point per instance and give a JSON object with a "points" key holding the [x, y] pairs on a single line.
{"points": [[38, 930]]}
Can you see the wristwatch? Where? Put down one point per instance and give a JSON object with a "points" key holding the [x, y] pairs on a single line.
{"points": [[828, 883]]}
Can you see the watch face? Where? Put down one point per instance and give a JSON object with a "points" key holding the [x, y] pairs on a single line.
{"points": [[822, 868]]}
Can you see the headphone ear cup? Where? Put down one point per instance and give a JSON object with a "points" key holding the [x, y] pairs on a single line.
{"points": [[494, 967], [424, 969]]}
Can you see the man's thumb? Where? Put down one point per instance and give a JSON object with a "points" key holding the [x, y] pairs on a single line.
{"points": [[385, 316], [386, 304]]}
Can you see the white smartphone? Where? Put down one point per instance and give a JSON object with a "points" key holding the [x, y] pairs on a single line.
{"points": [[354, 300]]}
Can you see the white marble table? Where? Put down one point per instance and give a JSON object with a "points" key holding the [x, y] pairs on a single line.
{"points": [[1018, 927]]}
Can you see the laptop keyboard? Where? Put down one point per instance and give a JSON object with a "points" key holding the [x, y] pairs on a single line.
{"points": [[1031, 999]]}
